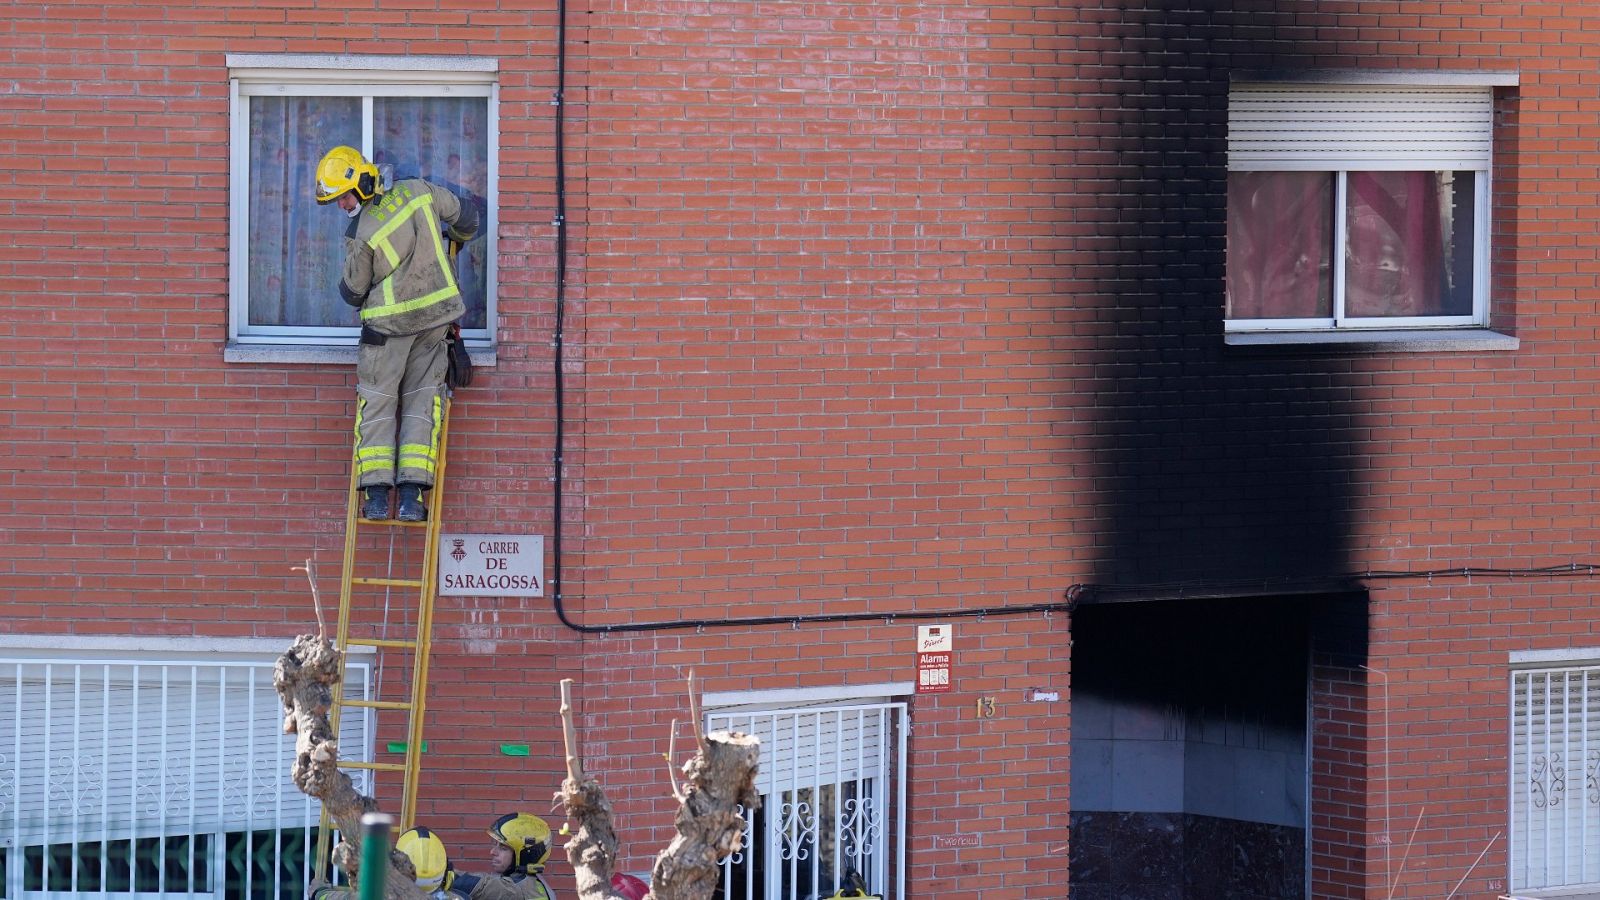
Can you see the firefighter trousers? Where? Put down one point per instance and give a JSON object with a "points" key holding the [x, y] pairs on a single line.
{"points": [[399, 408]]}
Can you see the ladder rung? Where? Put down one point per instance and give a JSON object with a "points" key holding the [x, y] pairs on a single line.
{"points": [[378, 642], [376, 767], [377, 704], [389, 582]]}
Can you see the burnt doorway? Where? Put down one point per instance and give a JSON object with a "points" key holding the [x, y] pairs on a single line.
{"points": [[1190, 749]]}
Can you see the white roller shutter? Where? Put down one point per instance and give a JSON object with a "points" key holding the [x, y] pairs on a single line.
{"points": [[803, 748], [1327, 127], [117, 749]]}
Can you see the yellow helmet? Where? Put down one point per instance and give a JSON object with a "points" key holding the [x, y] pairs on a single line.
{"points": [[428, 857], [528, 836], [344, 169]]}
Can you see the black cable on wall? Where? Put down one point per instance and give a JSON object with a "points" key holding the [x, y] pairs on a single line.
{"points": [[558, 101]]}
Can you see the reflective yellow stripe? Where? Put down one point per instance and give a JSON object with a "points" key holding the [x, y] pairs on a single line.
{"points": [[440, 250], [388, 253], [391, 308], [388, 300], [406, 212], [369, 459], [380, 241], [422, 456], [438, 419]]}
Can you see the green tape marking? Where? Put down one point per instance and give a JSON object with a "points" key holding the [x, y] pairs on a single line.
{"points": [[514, 749], [400, 746]]}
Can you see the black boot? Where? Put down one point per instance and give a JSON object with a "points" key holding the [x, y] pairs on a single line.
{"points": [[411, 506], [376, 506]]}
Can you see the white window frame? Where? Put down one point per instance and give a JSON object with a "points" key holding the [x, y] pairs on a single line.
{"points": [[104, 785], [366, 77], [826, 718], [1551, 773], [1264, 135]]}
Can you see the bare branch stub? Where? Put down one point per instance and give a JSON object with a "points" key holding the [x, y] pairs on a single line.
{"points": [[310, 568], [710, 818], [710, 822]]}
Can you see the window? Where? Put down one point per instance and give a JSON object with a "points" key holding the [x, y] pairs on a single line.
{"points": [[1555, 779], [1358, 206], [832, 816], [159, 773], [433, 118]]}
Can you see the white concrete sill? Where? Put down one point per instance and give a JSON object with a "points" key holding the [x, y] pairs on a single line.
{"points": [[1409, 340], [342, 354]]}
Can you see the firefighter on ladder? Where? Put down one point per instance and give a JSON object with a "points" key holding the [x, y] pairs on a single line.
{"points": [[397, 270]]}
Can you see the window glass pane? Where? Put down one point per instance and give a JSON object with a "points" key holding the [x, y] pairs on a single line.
{"points": [[296, 248], [1280, 245], [1409, 250], [446, 141]]}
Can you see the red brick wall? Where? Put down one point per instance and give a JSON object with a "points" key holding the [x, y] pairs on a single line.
{"points": [[875, 309], [819, 342], [149, 488]]}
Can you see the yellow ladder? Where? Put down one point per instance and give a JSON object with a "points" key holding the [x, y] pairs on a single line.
{"points": [[353, 591]]}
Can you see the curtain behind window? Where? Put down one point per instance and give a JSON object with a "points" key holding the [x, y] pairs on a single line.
{"points": [[444, 140], [1280, 245], [297, 247], [1402, 257]]}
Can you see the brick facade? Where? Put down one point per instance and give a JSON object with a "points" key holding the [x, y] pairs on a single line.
{"points": [[878, 309]]}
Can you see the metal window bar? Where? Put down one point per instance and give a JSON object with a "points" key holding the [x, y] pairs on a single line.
{"points": [[161, 802], [1554, 768], [249, 871], [827, 777], [81, 815], [192, 825], [218, 865], [1583, 820]]}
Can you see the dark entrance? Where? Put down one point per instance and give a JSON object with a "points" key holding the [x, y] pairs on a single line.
{"points": [[1189, 749]]}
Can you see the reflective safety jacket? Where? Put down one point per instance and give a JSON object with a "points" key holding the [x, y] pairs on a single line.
{"points": [[519, 886], [397, 261]]}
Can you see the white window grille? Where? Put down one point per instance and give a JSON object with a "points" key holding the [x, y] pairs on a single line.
{"points": [[1555, 779], [832, 785], [152, 777]]}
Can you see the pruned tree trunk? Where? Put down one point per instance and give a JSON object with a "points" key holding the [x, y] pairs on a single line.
{"points": [[592, 849], [721, 780], [710, 821], [304, 676]]}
